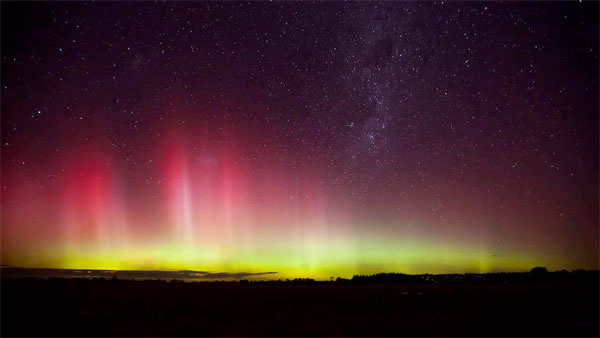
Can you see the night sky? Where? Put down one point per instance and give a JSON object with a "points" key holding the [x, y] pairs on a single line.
{"points": [[308, 139]]}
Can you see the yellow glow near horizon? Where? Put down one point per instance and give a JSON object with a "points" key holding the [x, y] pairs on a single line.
{"points": [[338, 259]]}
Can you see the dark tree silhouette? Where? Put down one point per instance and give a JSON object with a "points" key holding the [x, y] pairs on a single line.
{"points": [[538, 270]]}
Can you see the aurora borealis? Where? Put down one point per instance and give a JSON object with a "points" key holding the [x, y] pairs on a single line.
{"points": [[307, 139]]}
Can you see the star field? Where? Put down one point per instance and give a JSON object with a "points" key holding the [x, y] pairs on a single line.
{"points": [[304, 138]]}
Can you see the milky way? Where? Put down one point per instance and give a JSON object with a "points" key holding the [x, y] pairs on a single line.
{"points": [[310, 139]]}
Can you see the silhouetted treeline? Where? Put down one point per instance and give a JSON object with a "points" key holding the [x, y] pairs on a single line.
{"points": [[537, 274]]}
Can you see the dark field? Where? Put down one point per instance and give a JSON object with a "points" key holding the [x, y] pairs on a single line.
{"points": [[82, 307]]}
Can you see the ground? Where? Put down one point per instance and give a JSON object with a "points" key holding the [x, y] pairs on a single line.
{"points": [[82, 307]]}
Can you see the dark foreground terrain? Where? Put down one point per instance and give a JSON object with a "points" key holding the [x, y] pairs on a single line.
{"points": [[104, 307]]}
